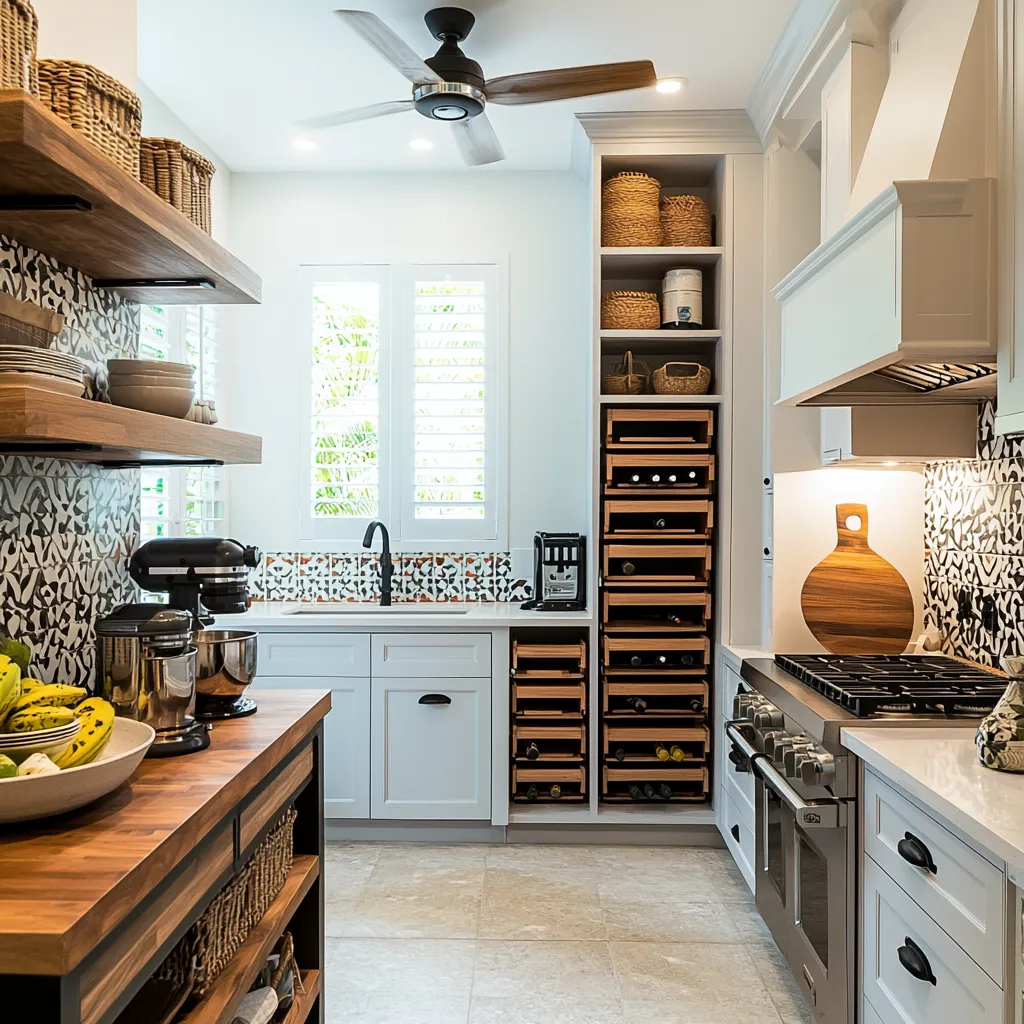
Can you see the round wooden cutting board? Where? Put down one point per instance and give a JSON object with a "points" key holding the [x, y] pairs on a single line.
{"points": [[854, 601]]}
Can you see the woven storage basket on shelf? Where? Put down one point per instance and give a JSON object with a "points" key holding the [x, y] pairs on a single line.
{"points": [[106, 112], [630, 311], [695, 382], [19, 30], [685, 220], [224, 925], [629, 210], [179, 176], [624, 381]]}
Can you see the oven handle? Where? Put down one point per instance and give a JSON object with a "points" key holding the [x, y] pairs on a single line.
{"points": [[808, 813]]}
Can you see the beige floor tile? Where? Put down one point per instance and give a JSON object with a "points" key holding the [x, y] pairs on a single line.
{"points": [[399, 1008], [339, 914], [752, 929], [347, 868], [782, 987], [543, 970], [539, 855], [758, 1010], [524, 915], [359, 967], [540, 882], [655, 881], [668, 921], [725, 876], [442, 916], [453, 855], [425, 879], [524, 1009]]}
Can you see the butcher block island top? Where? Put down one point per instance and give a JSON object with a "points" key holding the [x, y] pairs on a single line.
{"points": [[103, 893]]}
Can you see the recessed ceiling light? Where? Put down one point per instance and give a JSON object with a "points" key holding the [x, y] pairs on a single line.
{"points": [[670, 84], [304, 145], [420, 144]]}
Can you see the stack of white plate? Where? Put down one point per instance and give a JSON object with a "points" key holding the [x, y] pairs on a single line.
{"points": [[21, 366], [152, 385], [51, 742]]}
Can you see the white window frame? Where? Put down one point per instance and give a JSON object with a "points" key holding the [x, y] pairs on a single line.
{"points": [[396, 505]]}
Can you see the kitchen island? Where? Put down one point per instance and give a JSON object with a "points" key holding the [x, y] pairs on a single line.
{"points": [[91, 902]]}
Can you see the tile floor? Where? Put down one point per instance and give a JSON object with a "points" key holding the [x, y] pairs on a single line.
{"points": [[548, 935]]}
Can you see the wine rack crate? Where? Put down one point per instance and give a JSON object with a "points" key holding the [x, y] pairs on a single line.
{"points": [[689, 785], [626, 731], [571, 780], [656, 653], [632, 565], [633, 473], [640, 519], [549, 698], [677, 429], [555, 742], [676, 698], [655, 611]]}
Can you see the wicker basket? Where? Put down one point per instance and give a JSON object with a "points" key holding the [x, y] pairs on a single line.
{"points": [[685, 220], [624, 381], [695, 381], [630, 311], [629, 210], [19, 30], [107, 113], [179, 176], [213, 940]]}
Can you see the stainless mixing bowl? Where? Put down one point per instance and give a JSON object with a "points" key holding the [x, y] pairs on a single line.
{"points": [[225, 663]]}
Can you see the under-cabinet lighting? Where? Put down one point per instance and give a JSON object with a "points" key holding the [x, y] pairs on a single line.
{"points": [[420, 144], [304, 145], [670, 84]]}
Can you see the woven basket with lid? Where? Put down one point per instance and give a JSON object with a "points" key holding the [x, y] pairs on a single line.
{"points": [[180, 176], [629, 210], [98, 106], [685, 220], [19, 30], [630, 311]]}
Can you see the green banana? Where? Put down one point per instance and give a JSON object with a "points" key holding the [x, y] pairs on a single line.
{"points": [[10, 689], [54, 694], [8, 769], [93, 736], [39, 717], [90, 706]]}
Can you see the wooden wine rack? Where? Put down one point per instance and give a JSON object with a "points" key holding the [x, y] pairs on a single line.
{"points": [[549, 716], [657, 564]]}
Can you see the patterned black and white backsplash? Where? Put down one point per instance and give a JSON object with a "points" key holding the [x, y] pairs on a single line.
{"points": [[974, 547], [66, 528]]}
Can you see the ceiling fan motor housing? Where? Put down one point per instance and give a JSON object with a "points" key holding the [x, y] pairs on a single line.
{"points": [[460, 95]]}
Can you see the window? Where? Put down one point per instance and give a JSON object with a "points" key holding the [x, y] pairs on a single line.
{"points": [[406, 408], [186, 501]]}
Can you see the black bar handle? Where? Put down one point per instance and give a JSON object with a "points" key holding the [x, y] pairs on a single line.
{"points": [[913, 851], [435, 698], [915, 962]]}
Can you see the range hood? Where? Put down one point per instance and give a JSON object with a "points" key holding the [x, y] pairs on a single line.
{"points": [[898, 306]]}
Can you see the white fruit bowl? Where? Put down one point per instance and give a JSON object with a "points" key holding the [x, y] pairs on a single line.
{"points": [[52, 742], [27, 797]]}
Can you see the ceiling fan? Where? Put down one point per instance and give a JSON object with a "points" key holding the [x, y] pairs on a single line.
{"points": [[451, 87]]}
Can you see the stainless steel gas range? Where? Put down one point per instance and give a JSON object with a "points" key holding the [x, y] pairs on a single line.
{"points": [[786, 732]]}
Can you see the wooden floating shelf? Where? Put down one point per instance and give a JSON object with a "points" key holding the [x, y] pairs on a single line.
{"points": [[303, 1003], [666, 335], [34, 422], [118, 230], [633, 262], [221, 1000], [661, 399]]}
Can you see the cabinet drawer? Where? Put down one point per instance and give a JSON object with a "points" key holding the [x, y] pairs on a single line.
{"points": [[965, 893], [458, 655], [273, 801], [961, 990], [314, 654], [739, 838], [739, 786]]}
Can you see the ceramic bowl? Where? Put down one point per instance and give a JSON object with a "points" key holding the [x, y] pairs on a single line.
{"points": [[142, 380], [158, 367], [52, 742], [25, 798], [163, 400]]}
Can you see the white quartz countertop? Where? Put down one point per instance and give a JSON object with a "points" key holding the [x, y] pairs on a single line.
{"points": [[940, 768], [477, 615]]}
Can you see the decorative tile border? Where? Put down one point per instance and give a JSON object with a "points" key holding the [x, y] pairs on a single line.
{"points": [[436, 576]]}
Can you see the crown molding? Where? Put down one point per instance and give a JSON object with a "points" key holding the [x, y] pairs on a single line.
{"points": [[722, 131]]}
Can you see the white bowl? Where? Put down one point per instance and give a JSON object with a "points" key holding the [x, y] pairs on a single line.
{"points": [[27, 797], [153, 366], [51, 742], [144, 380], [162, 400]]}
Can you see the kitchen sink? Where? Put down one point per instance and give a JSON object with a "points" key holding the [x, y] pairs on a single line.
{"points": [[372, 608]]}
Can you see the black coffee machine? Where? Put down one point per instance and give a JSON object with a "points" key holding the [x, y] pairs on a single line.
{"points": [[203, 575]]}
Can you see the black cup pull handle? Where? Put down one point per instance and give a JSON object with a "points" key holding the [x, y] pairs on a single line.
{"points": [[914, 961], [735, 830], [435, 698], [913, 851]]}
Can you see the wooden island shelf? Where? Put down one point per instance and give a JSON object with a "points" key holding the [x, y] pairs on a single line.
{"points": [[62, 196], [34, 422]]}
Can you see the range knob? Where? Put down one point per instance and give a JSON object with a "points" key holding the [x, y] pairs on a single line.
{"points": [[795, 754], [778, 746], [768, 717], [742, 701], [816, 769]]}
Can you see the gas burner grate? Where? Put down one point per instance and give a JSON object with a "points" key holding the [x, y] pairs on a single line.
{"points": [[897, 684]]}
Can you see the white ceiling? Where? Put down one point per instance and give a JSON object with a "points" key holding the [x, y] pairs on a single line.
{"points": [[241, 72]]}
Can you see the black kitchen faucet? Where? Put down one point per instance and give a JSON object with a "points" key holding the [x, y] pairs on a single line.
{"points": [[387, 566]]}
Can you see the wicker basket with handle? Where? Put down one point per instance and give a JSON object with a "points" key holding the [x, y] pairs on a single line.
{"points": [[629, 210], [98, 106], [180, 176], [19, 31], [695, 380], [630, 311], [624, 381], [685, 220]]}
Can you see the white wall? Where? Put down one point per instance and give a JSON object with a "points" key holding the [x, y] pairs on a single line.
{"points": [[538, 221], [805, 532], [103, 33]]}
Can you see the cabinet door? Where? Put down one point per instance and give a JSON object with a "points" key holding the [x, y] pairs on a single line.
{"points": [[430, 748], [433, 655], [739, 838], [346, 739], [314, 654]]}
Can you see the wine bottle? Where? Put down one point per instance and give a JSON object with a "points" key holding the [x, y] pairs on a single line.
{"points": [[635, 792], [655, 478], [532, 793], [672, 478], [556, 792], [662, 752], [649, 791], [635, 478], [676, 752], [662, 659], [674, 619], [636, 661], [638, 704], [687, 660], [660, 523], [532, 751], [620, 753], [665, 791], [696, 704], [692, 475], [628, 568]]}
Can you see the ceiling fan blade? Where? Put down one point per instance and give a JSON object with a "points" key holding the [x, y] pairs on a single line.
{"points": [[392, 47], [477, 142], [566, 83], [357, 114]]}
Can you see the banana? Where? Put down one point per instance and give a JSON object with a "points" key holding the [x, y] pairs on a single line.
{"points": [[28, 684], [10, 689], [97, 727], [53, 694], [90, 706], [39, 717], [37, 764]]}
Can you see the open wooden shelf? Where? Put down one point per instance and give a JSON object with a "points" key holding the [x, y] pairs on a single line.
{"points": [[34, 422], [629, 262], [661, 399], [302, 1004], [118, 230], [223, 996]]}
